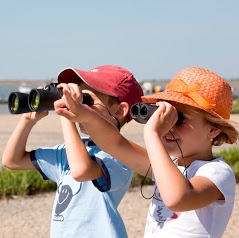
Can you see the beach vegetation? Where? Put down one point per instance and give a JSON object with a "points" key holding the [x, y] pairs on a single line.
{"points": [[22, 183], [235, 107], [231, 156]]}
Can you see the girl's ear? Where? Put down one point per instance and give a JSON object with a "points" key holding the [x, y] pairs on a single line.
{"points": [[122, 110], [214, 132]]}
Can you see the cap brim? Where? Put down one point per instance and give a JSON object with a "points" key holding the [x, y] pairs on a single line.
{"points": [[68, 75], [72, 75]]}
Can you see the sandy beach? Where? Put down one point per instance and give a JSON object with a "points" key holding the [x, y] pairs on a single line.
{"points": [[29, 217]]}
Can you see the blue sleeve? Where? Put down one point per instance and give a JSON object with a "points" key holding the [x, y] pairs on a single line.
{"points": [[103, 184], [50, 162], [116, 175]]}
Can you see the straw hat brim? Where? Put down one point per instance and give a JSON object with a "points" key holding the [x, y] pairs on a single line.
{"points": [[173, 96]]}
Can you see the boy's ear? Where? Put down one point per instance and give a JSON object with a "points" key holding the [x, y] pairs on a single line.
{"points": [[214, 132], [122, 110]]}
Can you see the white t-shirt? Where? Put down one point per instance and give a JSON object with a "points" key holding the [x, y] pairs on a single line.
{"points": [[209, 221]]}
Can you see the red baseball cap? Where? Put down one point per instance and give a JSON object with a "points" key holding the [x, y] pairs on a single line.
{"points": [[108, 79]]}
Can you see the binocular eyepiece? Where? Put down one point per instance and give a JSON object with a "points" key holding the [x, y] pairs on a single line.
{"points": [[38, 100], [141, 112]]}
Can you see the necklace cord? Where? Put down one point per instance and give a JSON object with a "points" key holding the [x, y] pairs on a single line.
{"points": [[185, 170]]}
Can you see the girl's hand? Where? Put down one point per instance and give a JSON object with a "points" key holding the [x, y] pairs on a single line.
{"points": [[163, 119]]}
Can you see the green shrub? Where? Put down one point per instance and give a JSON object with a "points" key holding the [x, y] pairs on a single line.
{"points": [[138, 179], [231, 156], [235, 107], [24, 182]]}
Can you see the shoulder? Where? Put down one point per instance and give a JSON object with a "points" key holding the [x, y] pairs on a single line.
{"points": [[216, 164], [50, 155], [217, 167], [51, 150], [217, 170]]}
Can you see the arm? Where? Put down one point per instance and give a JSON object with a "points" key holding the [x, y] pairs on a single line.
{"points": [[178, 193], [110, 140], [103, 133], [83, 168], [15, 155]]}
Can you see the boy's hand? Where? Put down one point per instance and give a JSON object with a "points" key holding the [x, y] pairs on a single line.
{"points": [[70, 105], [34, 116], [163, 119]]}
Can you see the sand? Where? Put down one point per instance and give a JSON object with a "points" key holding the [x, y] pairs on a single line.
{"points": [[29, 217]]}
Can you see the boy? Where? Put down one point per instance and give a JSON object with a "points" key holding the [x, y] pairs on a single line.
{"points": [[90, 182]]}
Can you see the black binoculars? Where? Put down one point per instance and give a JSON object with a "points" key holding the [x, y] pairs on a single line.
{"points": [[141, 112], [38, 100]]}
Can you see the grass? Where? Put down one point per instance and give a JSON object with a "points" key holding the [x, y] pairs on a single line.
{"points": [[235, 107], [231, 156], [21, 183]]}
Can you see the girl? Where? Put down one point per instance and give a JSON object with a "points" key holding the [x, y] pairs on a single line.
{"points": [[194, 191]]}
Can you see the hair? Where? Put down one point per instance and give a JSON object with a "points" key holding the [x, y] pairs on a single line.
{"points": [[114, 100], [228, 133]]}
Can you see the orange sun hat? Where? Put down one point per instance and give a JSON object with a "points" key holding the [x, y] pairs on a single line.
{"points": [[200, 88]]}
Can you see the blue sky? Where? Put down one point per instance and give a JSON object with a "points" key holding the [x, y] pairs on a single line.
{"points": [[154, 39]]}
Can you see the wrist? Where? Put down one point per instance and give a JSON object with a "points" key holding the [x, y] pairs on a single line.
{"points": [[26, 119]]}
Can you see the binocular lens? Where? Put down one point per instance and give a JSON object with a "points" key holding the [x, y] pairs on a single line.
{"points": [[35, 100], [143, 111], [134, 111], [14, 103]]}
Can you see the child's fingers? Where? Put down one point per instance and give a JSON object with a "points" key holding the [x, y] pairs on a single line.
{"points": [[72, 103], [170, 113], [73, 89], [67, 114], [64, 112], [163, 119], [61, 103]]}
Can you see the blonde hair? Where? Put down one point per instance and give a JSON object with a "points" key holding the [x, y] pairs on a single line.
{"points": [[228, 132]]}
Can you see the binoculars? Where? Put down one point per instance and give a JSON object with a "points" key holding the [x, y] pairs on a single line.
{"points": [[38, 100], [141, 112]]}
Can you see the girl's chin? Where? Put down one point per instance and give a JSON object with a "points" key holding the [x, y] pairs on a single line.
{"points": [[170, 144], [174, 151]]}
